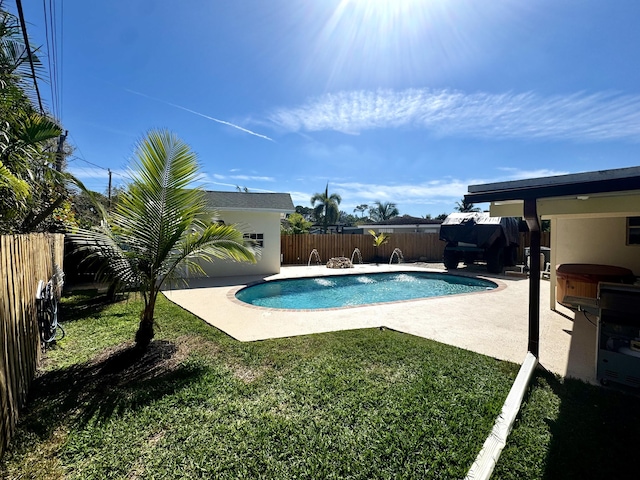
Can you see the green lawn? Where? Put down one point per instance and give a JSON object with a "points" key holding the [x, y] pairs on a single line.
{"points": [[360, 404]]}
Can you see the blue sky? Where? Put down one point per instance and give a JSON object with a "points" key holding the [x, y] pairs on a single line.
{"points": [[407, 101]]}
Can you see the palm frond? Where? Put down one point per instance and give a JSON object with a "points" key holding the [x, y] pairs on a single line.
{"points": [[19, 187], [215, 241], [102, 248]]}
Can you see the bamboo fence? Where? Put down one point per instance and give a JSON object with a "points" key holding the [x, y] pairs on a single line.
{"points": [[24, 260], [296, 249]]}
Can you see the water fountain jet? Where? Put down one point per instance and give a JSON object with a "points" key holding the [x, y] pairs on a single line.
{"points": [[398, 253], [317, 255]]}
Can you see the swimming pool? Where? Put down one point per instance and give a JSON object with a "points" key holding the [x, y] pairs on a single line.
{"points": [[363, 289]]}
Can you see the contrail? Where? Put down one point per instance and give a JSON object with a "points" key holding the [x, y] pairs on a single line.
{"points": [[200, 114]]}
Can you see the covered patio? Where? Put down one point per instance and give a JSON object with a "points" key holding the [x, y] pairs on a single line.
{"points": [[609, 200]]}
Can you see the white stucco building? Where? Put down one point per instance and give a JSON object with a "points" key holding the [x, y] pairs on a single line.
{"points": [[258, 216]]}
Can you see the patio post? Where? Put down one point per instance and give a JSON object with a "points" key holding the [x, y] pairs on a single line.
{"points": [[533, 222]]}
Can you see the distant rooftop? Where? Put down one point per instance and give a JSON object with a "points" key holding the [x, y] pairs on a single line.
{"points": [[406, 220], [267, 202]]}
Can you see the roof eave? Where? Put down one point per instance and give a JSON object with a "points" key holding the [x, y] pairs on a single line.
{"points": [[555, 190]]}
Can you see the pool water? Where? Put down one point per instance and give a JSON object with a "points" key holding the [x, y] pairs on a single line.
{"points": [[350, 290]]}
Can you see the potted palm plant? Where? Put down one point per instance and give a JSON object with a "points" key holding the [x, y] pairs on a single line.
{"points": [[378, 240]]}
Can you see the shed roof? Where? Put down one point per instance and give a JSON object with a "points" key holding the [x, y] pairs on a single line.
{"points": [[588, 183], [247, 201]]}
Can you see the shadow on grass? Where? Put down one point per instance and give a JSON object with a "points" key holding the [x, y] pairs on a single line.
{"points": [[119, 380], [595, 434], [87, 303]]}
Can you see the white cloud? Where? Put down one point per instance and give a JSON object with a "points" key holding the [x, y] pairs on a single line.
{"points": [[517, 174], [579, 116], [252, 178], [424, 192], [439, 194]]}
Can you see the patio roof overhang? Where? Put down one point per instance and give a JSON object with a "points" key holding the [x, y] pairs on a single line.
{"points": [[578, 184], [529, 192]]}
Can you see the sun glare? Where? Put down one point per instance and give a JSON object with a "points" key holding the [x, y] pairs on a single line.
{"points": [[383, 16], [383, 38], [384, 43]]}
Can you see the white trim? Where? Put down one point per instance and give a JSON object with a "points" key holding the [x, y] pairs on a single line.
{"points": [[486, 460]]}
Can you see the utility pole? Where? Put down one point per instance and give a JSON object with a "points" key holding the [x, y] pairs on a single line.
{"points": [[109, 190], [59, 151]]}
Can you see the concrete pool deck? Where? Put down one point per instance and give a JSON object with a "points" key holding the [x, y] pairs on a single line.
{"points": [[493, 323]]}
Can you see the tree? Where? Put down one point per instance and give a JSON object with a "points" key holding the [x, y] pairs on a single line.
{"points": [[160, 224], [363, 207], [297, 224], [325, 207], [466, 207], [32, 184], [383, 211], [87, 215], [442, 216], [347, 219]]}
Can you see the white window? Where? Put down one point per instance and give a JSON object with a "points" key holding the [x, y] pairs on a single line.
{"points": [[258, 238]]}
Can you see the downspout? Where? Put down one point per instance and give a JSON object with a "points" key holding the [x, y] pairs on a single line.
{"points": [[533, 222]]}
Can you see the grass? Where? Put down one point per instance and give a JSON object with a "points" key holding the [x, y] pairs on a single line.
{"points": [[360, 404], [571, 430]]}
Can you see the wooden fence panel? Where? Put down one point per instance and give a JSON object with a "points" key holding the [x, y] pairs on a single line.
{"points": [[296, 249], [525, 242], [24, 260]]}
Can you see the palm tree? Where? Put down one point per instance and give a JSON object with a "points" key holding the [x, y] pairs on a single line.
{"points": [[160, 224], [363, 207], [466, 207], [326, 209], [383, 211]]}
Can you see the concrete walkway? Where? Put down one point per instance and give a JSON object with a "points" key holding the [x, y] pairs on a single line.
{"points": [[493, 323]]}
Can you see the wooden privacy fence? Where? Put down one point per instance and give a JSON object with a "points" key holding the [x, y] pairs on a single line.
{"points": [[296, 249], [24, 259]]}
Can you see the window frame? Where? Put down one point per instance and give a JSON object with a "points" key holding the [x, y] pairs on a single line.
{"points": [[633, 231], [256, 237]]}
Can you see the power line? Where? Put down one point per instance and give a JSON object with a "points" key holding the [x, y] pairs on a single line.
{"points": [[51, 25], [75, 157], [56, 65], [61, 76], [82, 158], [46, 35]]}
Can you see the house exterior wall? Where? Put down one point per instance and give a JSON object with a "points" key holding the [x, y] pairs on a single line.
{"points": [[596, 240], [588, 230], [591, 240], [266, 223]]}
